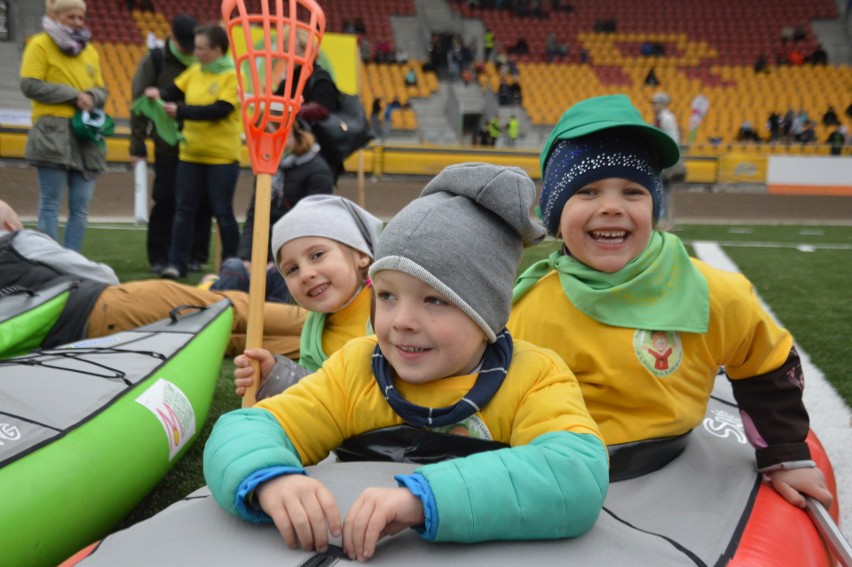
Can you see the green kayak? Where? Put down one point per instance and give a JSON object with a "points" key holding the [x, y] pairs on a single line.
{"points": [[89, 428]]}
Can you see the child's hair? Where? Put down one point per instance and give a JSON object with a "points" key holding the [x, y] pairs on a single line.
{"points": [[596, 139], [464, 236], [328, 216]]}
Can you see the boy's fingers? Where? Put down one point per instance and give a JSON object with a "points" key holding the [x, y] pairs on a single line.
{"points": [[790, 494], [330, 511]]}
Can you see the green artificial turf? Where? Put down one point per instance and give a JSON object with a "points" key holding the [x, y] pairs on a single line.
{"points": [[803, 285]]}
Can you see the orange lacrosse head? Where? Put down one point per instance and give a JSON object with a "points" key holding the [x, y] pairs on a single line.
{"points": [[269, 40]]}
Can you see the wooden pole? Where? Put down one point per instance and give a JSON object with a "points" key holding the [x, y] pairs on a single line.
{"points": [[257, 284]]}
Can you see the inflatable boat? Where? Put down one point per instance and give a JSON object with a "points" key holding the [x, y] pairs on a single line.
{"points": [[26, 316], [88, 429], [705, 507]]}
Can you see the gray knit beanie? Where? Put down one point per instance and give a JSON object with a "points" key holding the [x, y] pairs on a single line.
{"points": [[328, 216], [464, 236]]}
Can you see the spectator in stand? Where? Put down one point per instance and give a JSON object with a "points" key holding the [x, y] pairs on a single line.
{"points": [[159, 68], [366, 50], [761, 65], [818, 57], [553, 49], [205, 98], [515, 91], [494, 130], [651, 79], [808, 134], [410, 77], [513, 129], [359, 25], [773, 124], [837, 139], [747, 133], [488, 43], [349, 27], [389, 109], [849, 110], [521, 47], [376, 117], [504, 94], [830, 117], [384, 53]]}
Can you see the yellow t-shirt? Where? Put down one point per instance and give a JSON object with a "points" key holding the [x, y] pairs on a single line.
{"points": [[341, 400], [641, 384], [348, 323], [210, 141], [43, 60]]}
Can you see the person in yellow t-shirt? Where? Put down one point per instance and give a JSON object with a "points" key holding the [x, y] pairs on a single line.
{"points": [[443, 366], [61, 75], [322, 247], [204, 98], [643, 326]]}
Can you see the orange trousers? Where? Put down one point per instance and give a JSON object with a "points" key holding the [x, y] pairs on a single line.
{"points": [[127, 306]]}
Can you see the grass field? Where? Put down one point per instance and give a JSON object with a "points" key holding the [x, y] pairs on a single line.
{"points": [[800, 271]]}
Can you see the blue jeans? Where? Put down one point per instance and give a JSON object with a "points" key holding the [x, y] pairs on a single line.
{"points": [[194, 180], [51, 184], [234, 275]]}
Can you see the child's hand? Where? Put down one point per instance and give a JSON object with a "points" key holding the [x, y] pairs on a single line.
{"points": [[303, 509], [791, 484], [379, 512], [244, 374]]}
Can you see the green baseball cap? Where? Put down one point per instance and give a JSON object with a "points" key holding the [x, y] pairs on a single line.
{"points": [[611, 111]]}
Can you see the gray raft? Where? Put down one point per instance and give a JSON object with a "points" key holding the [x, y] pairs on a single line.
{"points": [[690, 512]]}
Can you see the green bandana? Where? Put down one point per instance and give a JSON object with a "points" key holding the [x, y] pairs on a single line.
{"points": [[660, 289], [219, 65], [186, 60], [166, 127]]}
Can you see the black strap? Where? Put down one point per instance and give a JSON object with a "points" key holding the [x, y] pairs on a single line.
{"points": [[630, 460]]}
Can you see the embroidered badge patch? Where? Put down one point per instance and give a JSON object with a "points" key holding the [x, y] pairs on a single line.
{"points": [[660, 352], [470, 427]]}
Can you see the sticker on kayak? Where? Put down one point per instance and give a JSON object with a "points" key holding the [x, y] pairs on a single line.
{"points": [[174, 411], [723, 424], [8, 433], [93, 343]]}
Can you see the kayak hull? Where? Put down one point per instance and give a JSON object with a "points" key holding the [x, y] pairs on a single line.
{"points": [[89, 428]]}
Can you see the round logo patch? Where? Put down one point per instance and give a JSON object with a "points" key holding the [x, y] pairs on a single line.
{"points": [[473, 426], [660, 352]]}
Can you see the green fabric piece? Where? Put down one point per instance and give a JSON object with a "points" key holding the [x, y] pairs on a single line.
{"points": [[167, 127], [660, 289], [92, 126], [219, 65], [311, 355], [186, 60]]}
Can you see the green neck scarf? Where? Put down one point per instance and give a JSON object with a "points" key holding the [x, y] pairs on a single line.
{"points": [[660, 289], [186, 60], [219, 65], [311, 355], [166, 127]]}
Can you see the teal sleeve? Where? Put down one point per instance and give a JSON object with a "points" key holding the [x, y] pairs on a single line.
{"points": [[244, 442], [552, 488]]}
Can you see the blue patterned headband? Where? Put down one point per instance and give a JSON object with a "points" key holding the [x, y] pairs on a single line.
{"points": [[574, 163]]}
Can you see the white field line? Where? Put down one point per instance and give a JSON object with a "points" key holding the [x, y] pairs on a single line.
{"points": [[830, 417]]}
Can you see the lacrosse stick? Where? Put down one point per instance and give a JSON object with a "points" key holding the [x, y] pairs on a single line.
{"points": [[278, 36]]}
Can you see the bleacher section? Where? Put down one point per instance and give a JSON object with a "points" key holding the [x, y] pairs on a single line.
{"points": [[119, 35], [707, 48]]}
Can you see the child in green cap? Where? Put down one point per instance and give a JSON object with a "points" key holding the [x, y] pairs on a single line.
{"points": [[661, 323]]}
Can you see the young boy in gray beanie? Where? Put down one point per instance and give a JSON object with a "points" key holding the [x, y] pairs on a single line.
{"points": [[441, 363], [644, 326]]}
